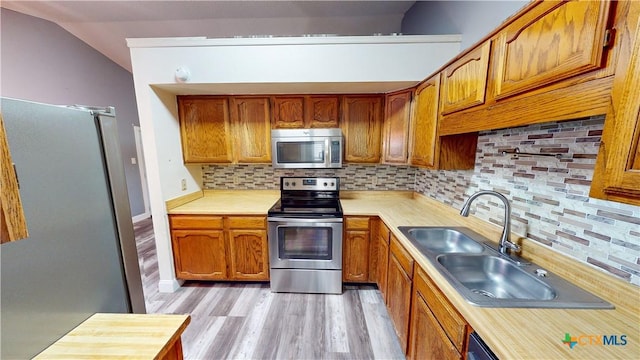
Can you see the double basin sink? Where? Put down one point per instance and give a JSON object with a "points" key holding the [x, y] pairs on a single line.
{"points": [[485, 277]]}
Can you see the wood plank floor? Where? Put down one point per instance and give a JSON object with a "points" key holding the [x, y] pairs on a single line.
{"points": [[248, 321]]}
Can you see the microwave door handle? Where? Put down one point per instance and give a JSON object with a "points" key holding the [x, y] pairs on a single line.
{"points": [[327, 160]]}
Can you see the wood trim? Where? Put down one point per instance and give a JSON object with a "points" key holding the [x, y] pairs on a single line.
{"points": [[13, 222]]}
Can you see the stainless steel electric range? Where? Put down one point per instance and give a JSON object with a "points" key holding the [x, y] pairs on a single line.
{"points": [[305, 236]]}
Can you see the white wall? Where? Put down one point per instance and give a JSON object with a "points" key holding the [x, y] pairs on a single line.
{"points": [[255, 66], [44, 63], [472, 19]]}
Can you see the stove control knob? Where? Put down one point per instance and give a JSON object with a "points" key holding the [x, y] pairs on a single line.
{"points": [[293, 183], [286, 183], [333, 184], [325, 184]]}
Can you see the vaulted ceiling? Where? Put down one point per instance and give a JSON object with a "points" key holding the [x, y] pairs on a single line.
{"points": [[105, 25]]}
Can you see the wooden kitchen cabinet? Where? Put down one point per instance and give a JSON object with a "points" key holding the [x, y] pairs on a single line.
{"points": [[198, 244], [209, 247], [383, 258], [322, 111], [617, 172], [551, 42], [252, 129], [424, 124], [356, 249], [427, 148], [396, 127], [205, 129], [248, 248], [288, 112], [300, 112], [362, 127], [437, 330], [399, 285], [464, 81]]}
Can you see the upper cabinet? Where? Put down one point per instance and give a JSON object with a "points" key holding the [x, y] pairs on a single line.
{"points": [[617, 172], [205, 129], [322, 111], [298, 112], [424, 123], [252, 123], [396, 127], [362, 127], [552, 42], [464, 82], [288, 112]]}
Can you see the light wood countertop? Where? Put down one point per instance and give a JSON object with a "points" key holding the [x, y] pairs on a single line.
{"points": [[229, 202], [120, 336], [512, 333]]}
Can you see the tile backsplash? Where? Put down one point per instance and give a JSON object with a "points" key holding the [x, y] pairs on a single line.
{"points": [[549, 195], [352, 176]]}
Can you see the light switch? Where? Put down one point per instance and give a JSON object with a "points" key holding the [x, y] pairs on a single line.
{"points": [[134, 161]]}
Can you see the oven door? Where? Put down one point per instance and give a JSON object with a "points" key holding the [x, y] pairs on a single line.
{"points": [[305, 243]]}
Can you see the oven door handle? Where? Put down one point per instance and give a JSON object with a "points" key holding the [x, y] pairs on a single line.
{"points": [[305, 220]]}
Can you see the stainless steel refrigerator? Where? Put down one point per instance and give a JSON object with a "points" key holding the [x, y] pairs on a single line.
{"points": [[80, 257]]}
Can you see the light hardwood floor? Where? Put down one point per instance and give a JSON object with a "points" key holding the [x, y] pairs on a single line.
{"points": [[248, 321]]}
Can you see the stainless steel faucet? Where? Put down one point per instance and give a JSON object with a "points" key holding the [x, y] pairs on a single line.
{"points": [[505, 244]]}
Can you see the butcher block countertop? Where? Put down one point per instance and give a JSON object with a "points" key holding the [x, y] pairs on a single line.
{"points": [[511, 333], [122, 336]]}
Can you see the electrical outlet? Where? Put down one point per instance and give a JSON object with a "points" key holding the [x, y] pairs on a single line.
{"points": [[235, 179], [183, 184], [374, 180]]}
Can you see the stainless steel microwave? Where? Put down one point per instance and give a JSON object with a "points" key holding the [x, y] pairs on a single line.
{"points": [[306, 148]]}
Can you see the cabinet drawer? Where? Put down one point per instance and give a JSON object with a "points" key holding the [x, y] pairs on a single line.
{"points": [[247, 222], [453, 323], [403, 257], [383, 231], [356, 223], [195, 222]]}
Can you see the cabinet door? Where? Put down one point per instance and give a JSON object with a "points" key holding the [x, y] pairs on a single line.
{"points": [[428, 340], [452, 323], [399, 289], [399, 299], [199, 254], [617, 172], [425, 123], [252, 124], [362, 127], [383, 265], [322, 112], [396, 127], [464, 82], [356, 256], [553, 41], [288, 112], [205, 129], [249, 254]]}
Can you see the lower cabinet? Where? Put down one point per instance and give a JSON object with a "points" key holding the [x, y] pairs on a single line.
{"points": [[437, 330], [359, 250], [220, 247], [383, 258], [248, 248], [399, 284]]}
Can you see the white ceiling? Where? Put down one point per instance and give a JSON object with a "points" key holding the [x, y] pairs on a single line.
{"points": [[105, 25]]}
